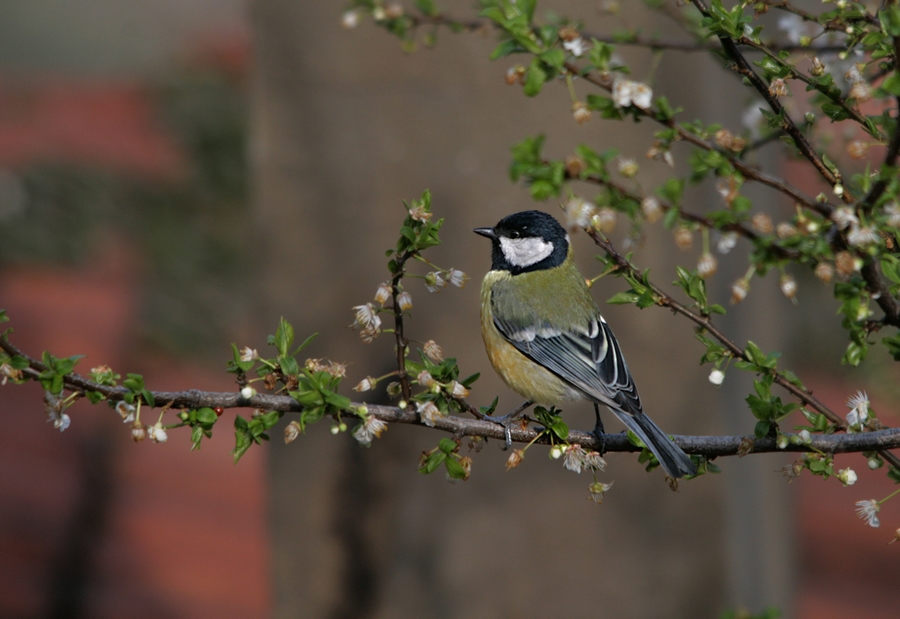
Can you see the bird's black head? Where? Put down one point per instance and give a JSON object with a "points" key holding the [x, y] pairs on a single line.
{"points": [[526, 241]]}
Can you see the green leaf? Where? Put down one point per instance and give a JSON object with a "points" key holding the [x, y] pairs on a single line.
{"points": [[623, 298], [507, 47], [447, 445], [284, 337], [890, 19], [891, 84], [432, 461], [289, 366], [3, 316], [426, 6], [855, 353], [454, 469], [206, 416], [534, 79]]}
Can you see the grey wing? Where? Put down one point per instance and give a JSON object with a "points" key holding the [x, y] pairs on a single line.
{"points": [[589, 360]]}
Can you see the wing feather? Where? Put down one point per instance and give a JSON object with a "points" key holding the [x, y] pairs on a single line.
{"points": [[589, 359]]}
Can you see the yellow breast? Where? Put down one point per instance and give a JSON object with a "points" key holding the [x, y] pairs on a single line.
{"points": [[531, 380]]}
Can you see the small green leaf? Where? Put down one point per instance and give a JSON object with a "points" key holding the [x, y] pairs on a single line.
{"points": [[284, 337]]}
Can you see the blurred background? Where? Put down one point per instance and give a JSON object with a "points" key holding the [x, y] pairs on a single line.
{"points": [[174, 176]]}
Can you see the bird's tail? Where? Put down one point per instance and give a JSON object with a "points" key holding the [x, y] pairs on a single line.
{"points": [[674, 462]]}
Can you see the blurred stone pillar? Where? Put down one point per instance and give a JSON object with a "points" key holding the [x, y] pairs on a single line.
{"points": [[345, 127]]}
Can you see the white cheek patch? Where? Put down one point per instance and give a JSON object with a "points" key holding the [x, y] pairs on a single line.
{"points": [[525, 252]]}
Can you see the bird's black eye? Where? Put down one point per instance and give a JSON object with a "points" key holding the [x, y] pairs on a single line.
{"points": [[513, 234]]}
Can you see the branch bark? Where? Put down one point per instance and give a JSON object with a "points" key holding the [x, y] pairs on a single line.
{"points": [[708, 446]]}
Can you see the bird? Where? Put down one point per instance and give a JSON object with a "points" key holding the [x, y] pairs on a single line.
{"points": [[546, 338]]}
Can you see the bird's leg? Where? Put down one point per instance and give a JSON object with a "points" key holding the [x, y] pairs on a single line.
{"points": [[598, 430], [507, 420]]}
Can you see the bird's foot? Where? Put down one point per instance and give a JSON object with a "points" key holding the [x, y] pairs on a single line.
{"points": [[601, 438], [598, 431], [507, 420]]}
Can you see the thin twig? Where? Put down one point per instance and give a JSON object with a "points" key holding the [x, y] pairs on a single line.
{"points": [[742, 67]]}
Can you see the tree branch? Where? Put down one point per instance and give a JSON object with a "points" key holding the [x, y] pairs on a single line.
{"points": [[708, 446], [802, 394], [742, 67]]}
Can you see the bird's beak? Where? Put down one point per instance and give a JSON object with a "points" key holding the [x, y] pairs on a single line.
{"points": [[488, 232]]}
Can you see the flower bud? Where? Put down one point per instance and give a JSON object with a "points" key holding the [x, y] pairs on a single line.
{"points": [[628, 167], [604, 220], [575, 165], [515, 459], [433, 351], [716, 377], [404, 301], [138, 432], [739, 290], [788, 286], [824, 272], [845, 263], [651, 208], [706, 266], [291, 432], [383, 293], [762, 223], [684, 238], [580, 112], [785, 230], [366, 384]]}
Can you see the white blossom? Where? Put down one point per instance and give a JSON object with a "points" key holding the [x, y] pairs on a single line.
{"points": [[859, 409], [425, 379], [350, 20], [433, 351], [575, 458], [126, 410], [594, 461], [61, 421], [458, 390], [434, 282], [652, 209], [157, 433], [598, 489], [576, 47], [366, 384], [847, 476], [457, 278], [627, 92], [367, 316], [726, 242], [370, 428], [404, 301], [716, 377], [893, 212], [862, 236], [428, 412], [793, 26], [383, 293], [868, 511], [578, 213], [844, 217]]}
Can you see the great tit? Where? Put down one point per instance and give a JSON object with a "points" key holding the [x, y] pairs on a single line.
{"points": [[546, 338]]}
